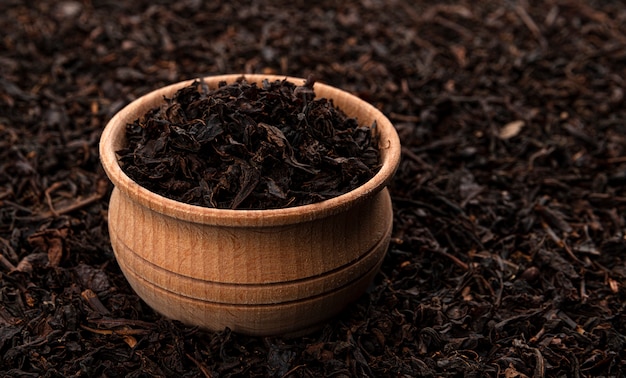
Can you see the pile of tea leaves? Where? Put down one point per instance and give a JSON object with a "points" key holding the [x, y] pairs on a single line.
{"points": [[249, 146]]}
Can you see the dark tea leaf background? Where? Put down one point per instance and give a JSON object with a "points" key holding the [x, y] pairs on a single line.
{"points": [[508, 249]]}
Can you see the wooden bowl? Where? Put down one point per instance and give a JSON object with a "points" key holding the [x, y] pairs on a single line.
{"points": [[258, 272]]}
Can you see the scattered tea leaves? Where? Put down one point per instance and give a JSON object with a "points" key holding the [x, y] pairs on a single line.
{"points": [[508, 256]]}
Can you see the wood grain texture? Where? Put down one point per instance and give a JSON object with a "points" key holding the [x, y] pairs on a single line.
{"points": [[261, 272]]}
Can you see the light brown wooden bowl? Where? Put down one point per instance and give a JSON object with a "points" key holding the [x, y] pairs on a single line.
{"points": [[259, 272]]}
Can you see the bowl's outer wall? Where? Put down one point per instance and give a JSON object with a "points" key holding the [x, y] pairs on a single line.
{"points": [[269, 281], [260, 272]]}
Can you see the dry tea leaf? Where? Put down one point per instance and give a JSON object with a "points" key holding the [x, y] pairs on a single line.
{"points": [[50, 241], [511, 129], [26, 264]]}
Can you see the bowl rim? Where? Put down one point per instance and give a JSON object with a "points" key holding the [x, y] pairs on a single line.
{"points": [[112, 138]]}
